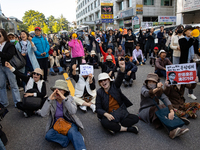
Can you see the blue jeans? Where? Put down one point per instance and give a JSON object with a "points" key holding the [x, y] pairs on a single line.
{"points": [[176, 60], [140, 62], [161, 73], [59, 68], [2, 147], [73, 135], [5, 74]]}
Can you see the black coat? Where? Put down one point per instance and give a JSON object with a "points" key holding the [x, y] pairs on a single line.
{"points": [[102, 99], [7, 52], [184, 46]]}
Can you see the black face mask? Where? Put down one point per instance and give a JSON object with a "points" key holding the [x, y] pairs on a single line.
{"points": [[170, 33], [179, 31], [109, 63], [126, 59]]}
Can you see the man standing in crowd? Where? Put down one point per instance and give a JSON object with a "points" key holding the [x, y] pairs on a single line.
{"points": [[161, 38], [42, 52]]}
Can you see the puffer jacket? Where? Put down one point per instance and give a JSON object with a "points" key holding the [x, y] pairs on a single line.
{"points": [[102, 99], [76, 48]]}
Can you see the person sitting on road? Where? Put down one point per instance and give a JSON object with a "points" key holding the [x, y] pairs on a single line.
{"points": [[182, 109], [93, 60], [35, 87], [111, 104], [55, 63], [67, 60], [108, 66], [161, 62], [85, 90], [151, 88], [138, 56], [109, 52], [60, 105], [130, 71], [154, 56], [119, 54]]}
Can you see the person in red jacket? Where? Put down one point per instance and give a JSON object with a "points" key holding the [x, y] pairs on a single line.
{"points": [[109, 52]]}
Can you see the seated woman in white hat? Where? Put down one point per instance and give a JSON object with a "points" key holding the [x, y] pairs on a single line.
{"points": [[61, 109], [85, 90], [111, 104], [35, 87]]}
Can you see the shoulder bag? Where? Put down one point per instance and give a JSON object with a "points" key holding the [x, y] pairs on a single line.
{"points": [[62, 126], [162, 114]]}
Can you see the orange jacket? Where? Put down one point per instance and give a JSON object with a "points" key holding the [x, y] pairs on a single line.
{"points": [[106, 54]]}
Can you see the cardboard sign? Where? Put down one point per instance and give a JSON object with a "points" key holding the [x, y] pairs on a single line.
{"points": [[86, 69], [181, 73]]}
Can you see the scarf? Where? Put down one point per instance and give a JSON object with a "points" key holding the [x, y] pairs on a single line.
{"points": [[24, 47], [30, 84]]}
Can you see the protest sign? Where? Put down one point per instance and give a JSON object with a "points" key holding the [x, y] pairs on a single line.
{"points": [[86, 69], [98, 40], [181, 73]]}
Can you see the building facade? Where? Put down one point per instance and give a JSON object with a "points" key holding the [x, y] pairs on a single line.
{"points": [[188, 12]]}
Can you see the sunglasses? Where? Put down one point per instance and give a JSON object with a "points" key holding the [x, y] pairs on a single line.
{"points": [[0, 35], [34, 73], [102, 80]]}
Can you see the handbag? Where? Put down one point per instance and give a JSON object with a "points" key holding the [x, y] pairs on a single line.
{"points": [[120, 114], [33, 103], [17, 61], [162, 114], [62, 126]]}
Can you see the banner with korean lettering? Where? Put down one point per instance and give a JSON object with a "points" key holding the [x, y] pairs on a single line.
{"points": [[107, 11], [181, 73]]}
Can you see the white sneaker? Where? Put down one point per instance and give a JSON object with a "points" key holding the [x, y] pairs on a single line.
{"points": [[198, 83], [25, 115], [192, 96], [83, 108], [93, 107], [21, 89]]}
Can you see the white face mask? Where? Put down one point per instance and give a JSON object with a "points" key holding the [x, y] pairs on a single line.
{"points": [[151, 85]]}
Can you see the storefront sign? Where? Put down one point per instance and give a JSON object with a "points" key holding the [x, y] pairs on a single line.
{"points": [[166, 18], [136, 20], [107, 11], [127, 13], [181, 73], [139, 9], [127, 22], [146, 24], [161, 23], [189, 5]]}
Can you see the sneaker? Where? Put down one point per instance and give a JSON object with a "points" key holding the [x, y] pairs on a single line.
{"points": [[183, 131], [192, 96], [60, 73], [133, 129], [83, 108], [153, 65], [194, 116], [174, 133], [53, 73], [21, 89], [198, 83], [185, 120], [131, 82], [93, 107], [25, 115], [125, 84], [68, 78]]}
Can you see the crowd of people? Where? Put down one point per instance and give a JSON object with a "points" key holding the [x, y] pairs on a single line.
{"points": [[118, 55]]}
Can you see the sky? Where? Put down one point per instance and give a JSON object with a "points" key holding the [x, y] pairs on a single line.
{"points": [[17, 8]]}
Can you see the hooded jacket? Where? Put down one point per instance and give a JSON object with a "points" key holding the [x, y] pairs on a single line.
{"points": [[76, 48]]}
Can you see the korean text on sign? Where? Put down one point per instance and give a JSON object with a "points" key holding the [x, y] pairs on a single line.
{"points": [[86, 69]]}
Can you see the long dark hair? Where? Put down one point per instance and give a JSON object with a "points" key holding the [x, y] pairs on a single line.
{"points": [[4, 34]]}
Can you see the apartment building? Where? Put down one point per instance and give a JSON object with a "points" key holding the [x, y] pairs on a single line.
{"points": [[88, 12]]}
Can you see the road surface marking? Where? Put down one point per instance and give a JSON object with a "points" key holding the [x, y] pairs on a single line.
{"points": [[70, 85]]}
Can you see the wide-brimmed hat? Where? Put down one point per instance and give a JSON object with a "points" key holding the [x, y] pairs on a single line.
{"points": [[188, 27], [162, 51], [66, 51], [109, 57], [152, 77], [103, 76], [60, 84], [38, 28], [38, 70], [93, 52], [10, 33]]}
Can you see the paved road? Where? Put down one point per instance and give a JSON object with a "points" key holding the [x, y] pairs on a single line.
{"points": [[28, 133]]}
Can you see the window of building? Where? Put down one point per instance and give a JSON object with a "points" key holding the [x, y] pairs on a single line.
{"points": [[85, 1], [121, 6], [92, 6], [129, 3], [148, 2], [166, 2], [95, 4], [98, 14], [88, 8], [98, 2]]}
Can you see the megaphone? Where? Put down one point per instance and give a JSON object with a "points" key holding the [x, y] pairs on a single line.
{"points": [[195, 33]]}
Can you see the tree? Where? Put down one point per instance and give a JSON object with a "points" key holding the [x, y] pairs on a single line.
{"points": [[31, 28], [62, 23], [50, 22], [22, 26], [45, 28], [34, 18], [55, 27]]}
